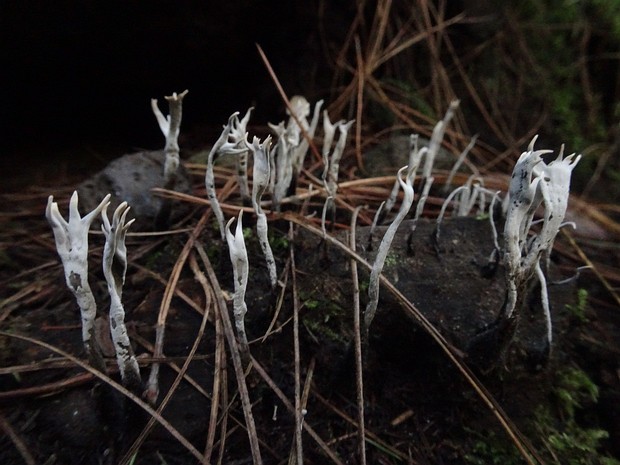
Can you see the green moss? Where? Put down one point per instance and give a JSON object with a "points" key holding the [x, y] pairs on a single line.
{"points": [[578, 310], [574, 389], [247, 233], [391, 260], [610, 10], [324, 318], [153, 259], [554, 34], [411, 95], [578, 445], [568, 441], [322, 330], [214, 252], [278, 242], [493, 449], [311, 304]]}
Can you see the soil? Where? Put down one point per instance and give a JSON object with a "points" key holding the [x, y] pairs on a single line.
{"points": [[419, 408]]}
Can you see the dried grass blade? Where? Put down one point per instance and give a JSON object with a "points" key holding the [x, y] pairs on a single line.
{"points": [[181, 373], [106, 379], [236, 358], [17, 441], [291, 408]]}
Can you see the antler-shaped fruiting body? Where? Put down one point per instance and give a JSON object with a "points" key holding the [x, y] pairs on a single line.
{"points": [[238, 136], [554, 187], [331, 158], [282, 165], [260, 182], [523, 199], [170, 126], [298, 114], [223, 145], [332, 161], [239, 260], [301, 109], [72, 245], [465, 198], [114, 269], [291, 148], [386, 242], [533, 183]]}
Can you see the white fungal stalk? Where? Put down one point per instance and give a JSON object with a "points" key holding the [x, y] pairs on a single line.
{"points": [[496, 250], [544, 297], [237, 136], [282, 176], [331, 161], [555, 187], [415, 157], [524, 199], [170, 126], [433, 148], [260, 182], [300, 144], [384, 247], [114, 269], [329, 131], [239, 260], [291, 148], [466, 197], [72, 245], [300, 110], [415, 154], [533, 183], [222, 146], [460, 161], [437, 138]]}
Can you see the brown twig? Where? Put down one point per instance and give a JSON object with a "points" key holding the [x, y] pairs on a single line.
{"points": [[357, 334], [47, 389], [360, 104], [287, 102], [299, 418], [589, 263]]}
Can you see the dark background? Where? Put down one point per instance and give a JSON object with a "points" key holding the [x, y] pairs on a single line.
{"points": [[79, 76]]}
